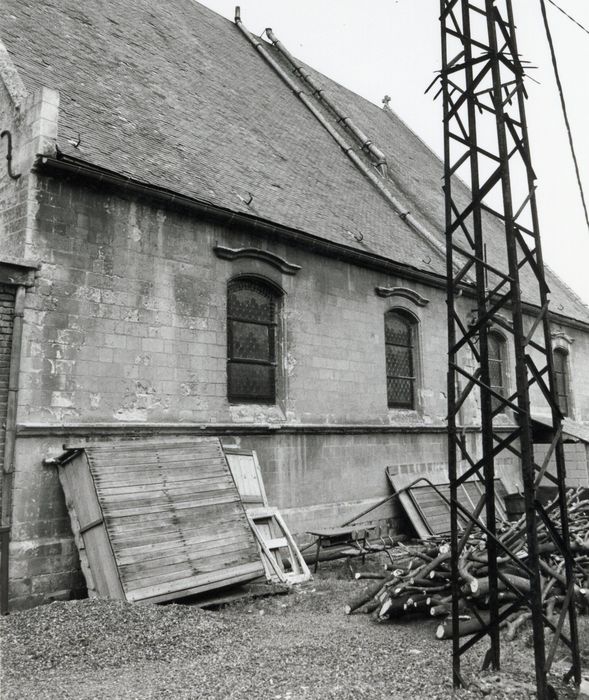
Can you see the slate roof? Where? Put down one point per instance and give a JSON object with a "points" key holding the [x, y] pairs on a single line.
{"points": [[173, 95]]}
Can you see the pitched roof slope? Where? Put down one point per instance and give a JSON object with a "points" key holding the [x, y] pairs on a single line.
{"points": [[417, 174], [172, 94]]}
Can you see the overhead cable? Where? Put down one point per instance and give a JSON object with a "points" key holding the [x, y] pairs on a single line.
{"points": [[564, 109], [566, 14]]}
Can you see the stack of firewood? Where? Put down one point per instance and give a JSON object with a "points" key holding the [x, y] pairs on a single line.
{"points": [[418, 580]]}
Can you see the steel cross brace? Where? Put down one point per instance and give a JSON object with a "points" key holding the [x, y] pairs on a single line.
{"points": [[495, 232]]}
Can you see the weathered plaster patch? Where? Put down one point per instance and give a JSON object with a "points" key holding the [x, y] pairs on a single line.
{"points": [[103, 263], [36, 349], [60, 399], [146, 298], [190, 296], [131, 414], [56, 351], [255, 413], [71, 338], [131, 315], [290, 364], [135, 233], [33, 249], [190, 388], [140, 401], [198, 324], [161, 220]]}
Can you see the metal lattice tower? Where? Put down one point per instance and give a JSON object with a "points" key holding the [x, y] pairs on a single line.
{"points": [[492, 238]]}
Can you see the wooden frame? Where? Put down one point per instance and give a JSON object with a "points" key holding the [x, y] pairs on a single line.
{"points": [[274, 546], [275, 543]]}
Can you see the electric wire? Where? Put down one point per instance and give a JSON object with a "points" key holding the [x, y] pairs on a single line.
{"points": [[566, 14], [564, 109]]}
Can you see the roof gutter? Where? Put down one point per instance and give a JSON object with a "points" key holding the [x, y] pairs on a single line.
{"points": [[365, 143], [80, 169], [397, 206]]}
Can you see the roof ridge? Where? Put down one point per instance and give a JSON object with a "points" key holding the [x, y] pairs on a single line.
{"points": [[366, 144]]}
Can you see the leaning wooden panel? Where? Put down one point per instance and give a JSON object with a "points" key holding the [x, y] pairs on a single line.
{"points": [[96, 556], [156, 521], [247, 475], [428, 512]]}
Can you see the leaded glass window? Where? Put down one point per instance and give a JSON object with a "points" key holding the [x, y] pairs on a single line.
{"points": [[562, 379], [496, 345], [400, 362], [251, 342]]}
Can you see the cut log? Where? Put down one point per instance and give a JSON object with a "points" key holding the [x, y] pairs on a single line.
{"points": [[512, 627], [391, 607], [468, 624], [479, 587], [440, 610], [371, 592]]}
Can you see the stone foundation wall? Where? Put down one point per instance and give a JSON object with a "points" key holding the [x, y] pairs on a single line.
{"points": [[321, 478]]}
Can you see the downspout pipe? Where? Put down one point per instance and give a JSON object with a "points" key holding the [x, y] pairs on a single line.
{"points": [[10, 443], [365, 143], [11, 407], [344, 145]]}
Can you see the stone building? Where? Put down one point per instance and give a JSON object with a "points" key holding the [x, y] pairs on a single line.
{"points": [[190, 244]]}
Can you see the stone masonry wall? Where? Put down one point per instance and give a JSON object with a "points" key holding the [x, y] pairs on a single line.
{"points": [[126, 330], [125, 334], [13, 193], [322, 480], [128, 323], [31, 120]]}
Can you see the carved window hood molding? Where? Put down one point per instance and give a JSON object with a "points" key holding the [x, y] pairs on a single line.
{"points": [[257, 254], [562, 336], [403, 292]]}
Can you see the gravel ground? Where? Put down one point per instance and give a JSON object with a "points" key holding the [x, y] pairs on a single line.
{"points": [[300, 645]]}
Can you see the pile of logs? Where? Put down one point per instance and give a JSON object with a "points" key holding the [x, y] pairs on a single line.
{"points": [[418, 580]]}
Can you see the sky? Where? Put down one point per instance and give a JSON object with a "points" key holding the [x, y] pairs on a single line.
{"points": [[392, 47]]}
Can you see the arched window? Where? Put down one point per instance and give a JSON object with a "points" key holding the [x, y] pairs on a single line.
{"points": [[496, 344], [561, 376], [399, 330], [251, 341]]}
